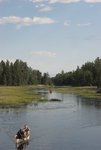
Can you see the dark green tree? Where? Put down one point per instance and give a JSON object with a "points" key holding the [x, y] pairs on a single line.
{"points": [[98, 72], [46, 79]]}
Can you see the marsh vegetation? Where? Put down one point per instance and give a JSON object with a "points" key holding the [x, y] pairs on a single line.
{"points": [[17, 95]]}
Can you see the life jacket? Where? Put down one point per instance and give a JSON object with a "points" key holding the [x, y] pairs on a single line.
{"points": [[20, 134]]}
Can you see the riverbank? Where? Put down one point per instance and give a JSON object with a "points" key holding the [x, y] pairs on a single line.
{"points": [[18, 96], [86, 92], [15, 96]]}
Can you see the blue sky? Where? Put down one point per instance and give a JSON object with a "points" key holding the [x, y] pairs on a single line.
{"points": [[50, 35]]}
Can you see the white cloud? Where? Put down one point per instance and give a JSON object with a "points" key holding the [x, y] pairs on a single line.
{"points": [[63, 1], [43, 7], [92, 1], [73, 1], [36, 1], [84, 24], [67, 23], [26, 21], [55, 1], [44, 20], [44, 53], [46, 9]]}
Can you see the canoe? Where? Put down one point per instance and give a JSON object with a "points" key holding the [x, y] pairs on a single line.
{"points": [[23, 135], [22, 143], [22, 140]]}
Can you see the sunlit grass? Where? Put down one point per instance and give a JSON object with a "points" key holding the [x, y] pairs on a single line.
{"points": [[17, 95]]}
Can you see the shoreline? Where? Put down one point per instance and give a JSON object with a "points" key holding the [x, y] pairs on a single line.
{"points": [[85, 92]]}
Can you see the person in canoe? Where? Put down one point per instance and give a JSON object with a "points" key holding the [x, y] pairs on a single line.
{"points": [[19, 134], [23, 134], [26, 131]]}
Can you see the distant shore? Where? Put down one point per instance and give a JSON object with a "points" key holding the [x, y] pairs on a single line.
{"points": [[86, 91]]}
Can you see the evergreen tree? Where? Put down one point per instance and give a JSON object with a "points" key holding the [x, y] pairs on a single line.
{"points": [[46, 79], [98, 72], [18, 73]]}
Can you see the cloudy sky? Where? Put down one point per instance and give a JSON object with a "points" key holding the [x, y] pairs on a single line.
{"points": [[50, 35]]}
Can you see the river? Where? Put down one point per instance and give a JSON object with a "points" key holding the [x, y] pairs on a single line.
{"points": [[73, 123]]}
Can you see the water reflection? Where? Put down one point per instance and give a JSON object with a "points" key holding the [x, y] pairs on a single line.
{"points": [[22, 146], [84, 102]]}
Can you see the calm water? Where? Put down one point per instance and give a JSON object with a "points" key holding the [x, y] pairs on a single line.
{"points": [[72, 124]]}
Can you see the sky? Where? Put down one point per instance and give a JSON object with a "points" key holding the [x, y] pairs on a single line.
{"points": [[50, 35]]}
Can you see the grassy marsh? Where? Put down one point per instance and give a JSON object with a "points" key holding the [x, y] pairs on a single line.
{"points": [[17, 95]]}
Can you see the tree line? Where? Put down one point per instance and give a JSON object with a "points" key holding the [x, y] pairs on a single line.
{"points": [[86, 75], [18, 73]]}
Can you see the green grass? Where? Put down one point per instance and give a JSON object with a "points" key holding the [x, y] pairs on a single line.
{"points": [[87, 91], [17, 95]]}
